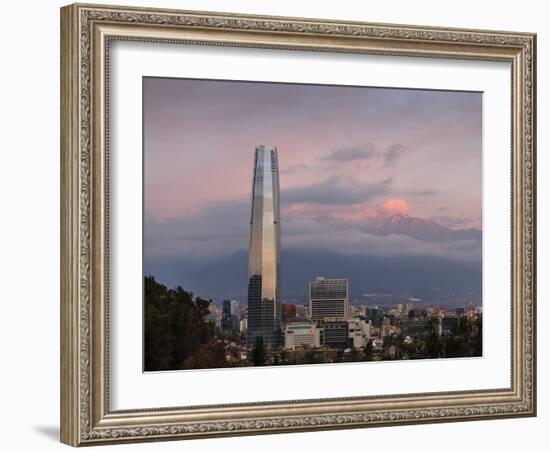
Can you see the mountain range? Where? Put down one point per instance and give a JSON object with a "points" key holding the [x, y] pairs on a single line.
{"points": [[417, 228], [420, 276], [428, 277]]}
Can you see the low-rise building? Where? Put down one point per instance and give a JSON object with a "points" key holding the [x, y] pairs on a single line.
{"points": [[336, 332], [243, 325], [288, 312], [359, 332], [299, 334], [414, 327]]}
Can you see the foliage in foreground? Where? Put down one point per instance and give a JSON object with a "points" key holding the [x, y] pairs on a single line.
{"points": [[177, 334]]}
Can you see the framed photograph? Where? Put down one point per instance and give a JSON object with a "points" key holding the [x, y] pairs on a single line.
{"points": [[274, 224]]}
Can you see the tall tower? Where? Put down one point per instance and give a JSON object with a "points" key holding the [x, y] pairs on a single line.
{"points": [[264, 251]]}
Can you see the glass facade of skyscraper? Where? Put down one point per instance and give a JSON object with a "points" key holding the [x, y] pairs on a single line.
{"points": [[328, 298], [264, 251]]}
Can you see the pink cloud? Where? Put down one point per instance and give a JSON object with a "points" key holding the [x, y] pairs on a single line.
{"points": [[396, 206], [348, 213]]}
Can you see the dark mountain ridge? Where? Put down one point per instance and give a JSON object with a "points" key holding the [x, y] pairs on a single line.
{"points": [[427, 277]]}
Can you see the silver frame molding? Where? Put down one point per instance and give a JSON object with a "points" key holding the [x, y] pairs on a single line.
{"points": [[86, 31]]}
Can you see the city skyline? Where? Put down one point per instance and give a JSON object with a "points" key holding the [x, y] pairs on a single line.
{"points": [[218, 337], [361, 194], [345, 169]]}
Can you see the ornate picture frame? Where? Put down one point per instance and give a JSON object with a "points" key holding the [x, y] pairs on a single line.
{"points": [[86, 34]]}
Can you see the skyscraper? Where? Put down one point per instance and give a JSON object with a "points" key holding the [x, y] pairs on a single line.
{"points": [[328, 298], [227, 319], [264, 251]]}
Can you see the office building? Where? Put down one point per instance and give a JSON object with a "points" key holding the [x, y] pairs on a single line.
{"points": [[385, 327], [288, 312], [264, 251], [375, 316], [243, 325], [300, 334], [328, 298], [214, 315], [359, 332], [302, 313], [414, 327], [229, 321], [336, 333], [236, 308]]}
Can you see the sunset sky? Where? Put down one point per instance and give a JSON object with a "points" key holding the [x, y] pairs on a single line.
{"points": [[347, 155]]}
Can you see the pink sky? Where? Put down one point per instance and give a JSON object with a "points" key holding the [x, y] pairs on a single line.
{"points": [[346, 153]]}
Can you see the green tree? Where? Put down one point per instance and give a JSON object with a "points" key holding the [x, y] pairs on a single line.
{"points": [[175, 327], [368, 351], [473, 337], [311, 357], [258, 352], [434, 347], [210, 354]]}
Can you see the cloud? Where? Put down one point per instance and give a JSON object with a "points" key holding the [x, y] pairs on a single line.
{"points": [[206, 233], [397, 206], [337, 190], [422, 192], [353, 153], [327, 233], [392, 154], [365, 151], [452, 221], [293, 169], [222, 228]]}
